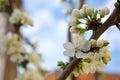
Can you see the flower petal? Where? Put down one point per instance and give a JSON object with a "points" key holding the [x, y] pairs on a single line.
{"points": [[85, 45], [68, 46], [80, 54], [69, 53]]}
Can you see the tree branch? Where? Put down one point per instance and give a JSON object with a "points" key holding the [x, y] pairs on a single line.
{"points": [[81, 3], [112, 20]]}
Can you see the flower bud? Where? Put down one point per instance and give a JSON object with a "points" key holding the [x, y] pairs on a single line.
{"points": [[93, 43], [100, 43], [104, 11], [82, 13], [85, 6], [75, 13], [89, 11]]}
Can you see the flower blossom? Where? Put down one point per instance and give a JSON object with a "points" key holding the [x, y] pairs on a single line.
{"points": [[34, 58], [11, 46], [77, 47], [20, 17]]}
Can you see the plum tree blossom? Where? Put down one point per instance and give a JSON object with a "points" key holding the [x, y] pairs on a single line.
{"points": [[88, 16], [75, 49], [12, 44], [94, 54]]}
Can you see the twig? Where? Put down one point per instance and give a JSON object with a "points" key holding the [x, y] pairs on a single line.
{"points": [[81, 3], [112, 20]]}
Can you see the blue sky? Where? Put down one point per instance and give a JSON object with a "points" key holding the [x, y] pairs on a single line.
{"points": [[50, 31]]}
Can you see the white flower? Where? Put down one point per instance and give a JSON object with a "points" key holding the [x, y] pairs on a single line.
{"points": [[34, 58], [76, 13], [81, 43], [104, 11], [75, 49], [19, 17]]}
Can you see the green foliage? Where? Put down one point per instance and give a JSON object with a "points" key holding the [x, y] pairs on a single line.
{"points": [[62, 65]]}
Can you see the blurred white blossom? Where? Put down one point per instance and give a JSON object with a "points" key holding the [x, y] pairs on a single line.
{"points": [[34, 58], [20, 17], [13, 47]]}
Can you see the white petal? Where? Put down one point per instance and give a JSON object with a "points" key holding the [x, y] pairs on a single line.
{"points": [[80, 54], [78, 41], [86, 45], [68, 46], [69, 53]]}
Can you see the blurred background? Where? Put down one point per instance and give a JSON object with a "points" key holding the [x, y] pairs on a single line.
{"points": [[50, 32]]}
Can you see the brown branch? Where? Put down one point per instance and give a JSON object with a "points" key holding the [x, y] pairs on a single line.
{"points": [[112, 20], [81, 3]]}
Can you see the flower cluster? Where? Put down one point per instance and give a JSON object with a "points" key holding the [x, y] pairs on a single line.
{"points": [[11, 46], [20, 17], [94, 54], [87, 16]]}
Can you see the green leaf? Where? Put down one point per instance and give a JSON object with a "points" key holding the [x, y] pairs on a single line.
{"points": [[62, 65]]}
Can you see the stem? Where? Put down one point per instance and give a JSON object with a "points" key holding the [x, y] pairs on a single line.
{"points": [[112, 20]]}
